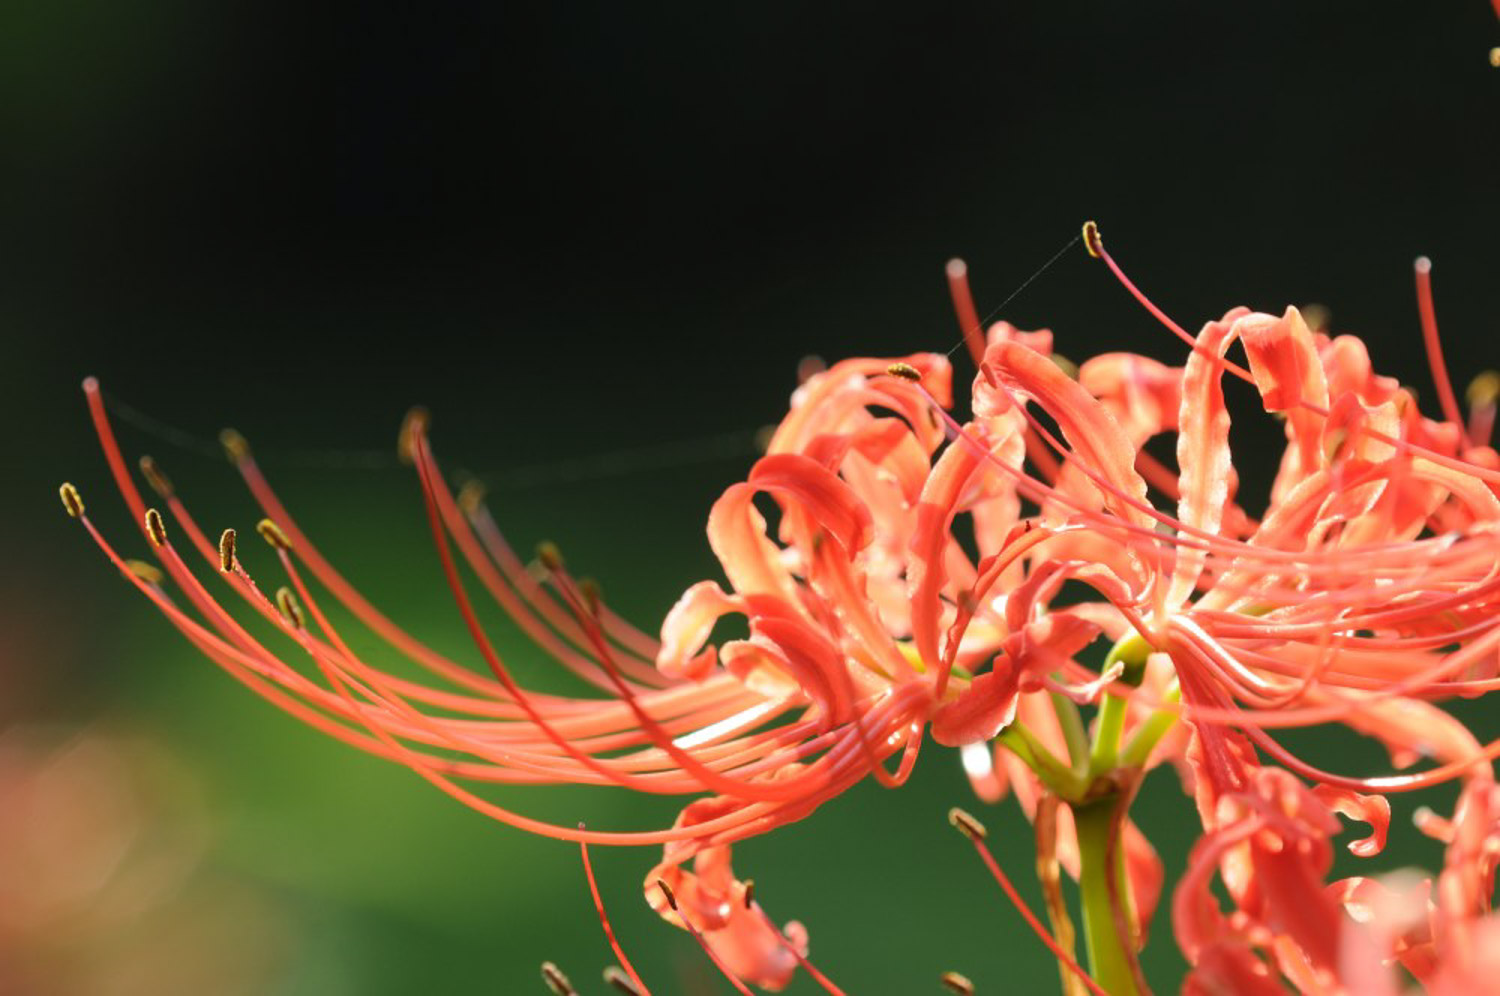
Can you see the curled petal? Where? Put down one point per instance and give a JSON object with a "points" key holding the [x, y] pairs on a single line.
{"points": [[818, 492], [687, 628], [1372, 809], [1097, 440], [985, 708]]}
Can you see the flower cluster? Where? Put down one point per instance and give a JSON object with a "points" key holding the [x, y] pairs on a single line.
{"points": [[1031, 582]]}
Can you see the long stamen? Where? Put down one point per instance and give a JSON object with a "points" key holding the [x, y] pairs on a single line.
{"points": [[963, 303], [1434, 345], [765, 918], [609, 932], [975, 831], [713, 956]]}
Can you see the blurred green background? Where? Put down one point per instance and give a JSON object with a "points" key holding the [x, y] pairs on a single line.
{"points": [[595, 241]]}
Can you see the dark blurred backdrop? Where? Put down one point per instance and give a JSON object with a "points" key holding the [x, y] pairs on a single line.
{"points": [[595, 239]]}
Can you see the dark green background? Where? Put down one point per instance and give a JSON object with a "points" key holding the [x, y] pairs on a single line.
{"points": [[578, 230]]}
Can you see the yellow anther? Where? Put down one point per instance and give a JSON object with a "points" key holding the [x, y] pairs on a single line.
{"points": [[556, 980], [71, 500], [155, 527], [154, 477], [226, 550], [1092, 240], [966, 824], [957, 983], [272, 534], [290, 609], [413, 426], [1484, 390], [235, 446], [905, 371], [148, 573]]}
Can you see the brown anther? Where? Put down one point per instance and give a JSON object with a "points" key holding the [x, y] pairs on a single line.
{"points": [[471, 496], [1484, 390], [1092, 240], [154, 477], [957, 983], [71, 500], [593, 598], [155, 528], [615, 977], [290, 609], [549, 555], [556, 980], [148, 573], [749, 893], [1064, 364], [905, 371], [226, 550], [966, 824], [666, 891], [234, 445], [272, 534], [414, 425]]}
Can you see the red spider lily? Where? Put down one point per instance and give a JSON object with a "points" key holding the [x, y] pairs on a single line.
{"points": [[1366, 589]]}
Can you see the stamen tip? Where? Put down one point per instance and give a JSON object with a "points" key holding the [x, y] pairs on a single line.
{"points": [[1423, 265], [615, 977], [290, 609], [148, 573], [1484, 389], [956, 269], [91, 384], [549, 555], [471, 496], [1092, 240], [1495, 57], [155, 527], [159, 482], [749, 893], [966, 824], [413, 425], [226, 550], [235, 445], [957, 983], [272, 534], [556, 981], [71, 500], [905, 371], [667, 893]]}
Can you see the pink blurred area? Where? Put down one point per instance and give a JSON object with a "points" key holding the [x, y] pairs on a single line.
{"points": [[105, 889]]}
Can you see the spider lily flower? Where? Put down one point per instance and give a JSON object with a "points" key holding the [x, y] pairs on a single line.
{"points": [[1367, 589]]}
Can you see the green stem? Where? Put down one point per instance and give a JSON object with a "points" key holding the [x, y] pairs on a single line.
{"points": [[1110, 961], [1073, 731], [1148, 735], [1056, 775], [1107, 736]]}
